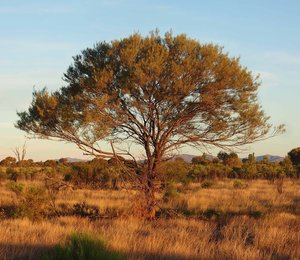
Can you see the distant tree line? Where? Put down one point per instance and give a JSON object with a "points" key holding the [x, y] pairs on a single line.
{"points": [[100, 173]]}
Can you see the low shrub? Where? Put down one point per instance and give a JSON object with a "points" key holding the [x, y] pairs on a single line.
{"points": [[33, 202], [82, 247], [17, 188], [3, 175], [13, 174], [238, 184], [36, 203]]}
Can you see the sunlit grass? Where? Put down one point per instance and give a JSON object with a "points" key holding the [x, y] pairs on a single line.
{"points": [[234, 234]]}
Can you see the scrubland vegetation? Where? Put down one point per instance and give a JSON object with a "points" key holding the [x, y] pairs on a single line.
{"points": [[159, 93], [205, 211]]}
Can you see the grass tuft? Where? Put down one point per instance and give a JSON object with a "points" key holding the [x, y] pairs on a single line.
{"points": [[82, 246]]}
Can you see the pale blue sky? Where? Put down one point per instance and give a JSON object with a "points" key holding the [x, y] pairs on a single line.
{"points": [[39, 38]]}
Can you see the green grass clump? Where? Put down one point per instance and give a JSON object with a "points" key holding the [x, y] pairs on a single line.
{"points": [[82, 247], [238, 184]]}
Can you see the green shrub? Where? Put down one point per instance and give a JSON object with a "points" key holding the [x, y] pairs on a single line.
{"points": [[36, 202], [50, 172], [207, 184], [17, 188], [170, 193], [174, 171], [33, 202], [29, 173], [13, 174], [3, 175], [238, 184], [82, 247]]}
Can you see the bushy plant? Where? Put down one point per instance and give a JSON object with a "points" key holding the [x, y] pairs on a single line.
{"points": [[82, 247], [3, 175], [198, 172], [238, 184], [50, 172], [174, 171], [36, 202], [13, 174], [33, 202], [29, 173], [17, 188]]}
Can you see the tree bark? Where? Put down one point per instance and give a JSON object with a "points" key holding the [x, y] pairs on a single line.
{"points": [[150, 200]]}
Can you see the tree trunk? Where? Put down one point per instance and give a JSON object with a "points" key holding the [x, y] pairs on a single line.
{"points": [[150, 201]]}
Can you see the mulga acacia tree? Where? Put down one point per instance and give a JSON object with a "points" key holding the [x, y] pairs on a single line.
{"points": [[158, 92]]}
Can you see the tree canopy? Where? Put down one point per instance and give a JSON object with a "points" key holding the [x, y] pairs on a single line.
{"points": [[160, 92], [294, 155]]}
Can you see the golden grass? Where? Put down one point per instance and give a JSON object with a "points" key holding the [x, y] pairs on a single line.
{"points": [[275, 235]]}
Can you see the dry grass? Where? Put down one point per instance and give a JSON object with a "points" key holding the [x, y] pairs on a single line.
{"points": [[233, 235]]}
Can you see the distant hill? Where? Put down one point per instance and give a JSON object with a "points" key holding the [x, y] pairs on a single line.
{"points": [[73, 160], [188, 158], [272, 158]]}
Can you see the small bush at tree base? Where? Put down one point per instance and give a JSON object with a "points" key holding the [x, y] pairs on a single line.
{"points": [[82, 247]]}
